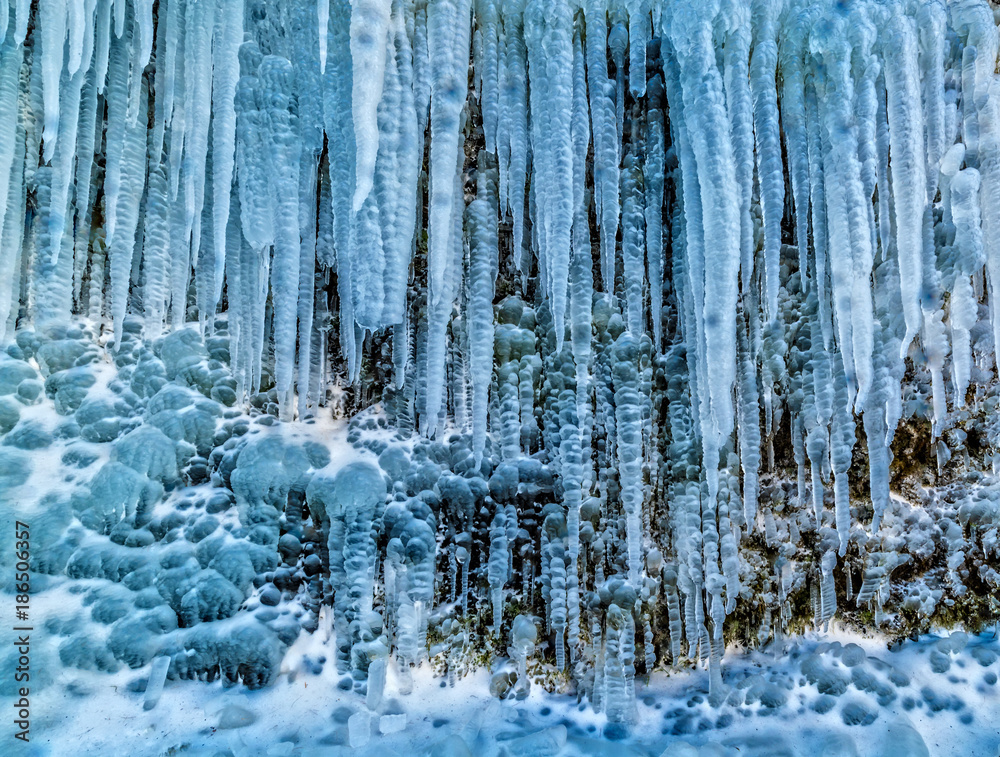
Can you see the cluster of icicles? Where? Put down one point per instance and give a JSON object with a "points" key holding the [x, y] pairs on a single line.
{"points": [[780, 205]]}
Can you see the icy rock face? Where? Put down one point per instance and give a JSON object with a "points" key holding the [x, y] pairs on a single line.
{"points": [[178, 567], [685, 289]]}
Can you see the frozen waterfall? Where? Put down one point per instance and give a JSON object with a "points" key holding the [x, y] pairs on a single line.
{"points": [[644, 311]]}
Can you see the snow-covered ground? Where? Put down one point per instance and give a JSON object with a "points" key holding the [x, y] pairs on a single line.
{"points": [[845, 694]]}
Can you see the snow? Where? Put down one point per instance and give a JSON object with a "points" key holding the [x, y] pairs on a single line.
{"points": [[814, 697]]}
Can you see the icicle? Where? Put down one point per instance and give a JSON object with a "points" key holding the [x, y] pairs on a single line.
{"points": [[87, 131], [117, 101], [462, 556], [817, 199], [749, 426], [51, 39], [369, 27], [514, 149], [605, 137], [632, 245], [907, 164], [307, 273], [323, 25], [616, 702], [482, 273], [931, 20], [276, 78], [629, 446], [638, 38], [10, 75], [581, 287], [653, 180], [62, 162], [989, 197], [878, 457], [557, 578], [841, 446], [497, 567], [488, 67], [548, 37], [398, 202], [690, 30], [448, 40], [22, 14], [339, 126], [143, 10], [763, 62], [80, 22], [793, 122], [12, 144], [122, 245], [226, 74], [156, 252], [200, 20]]}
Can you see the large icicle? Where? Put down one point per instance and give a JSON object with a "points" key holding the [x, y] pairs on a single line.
{"points": [[52, 35], [605, 136], [548, 35], [483, 269], [628, 425], [340, 130], [704, 110], [653, 181], [122, 246], [633, 242], [448, 40], [276, 78], [226, 74], [513, 142], [369, 27], [770, 174], [906, 163]]}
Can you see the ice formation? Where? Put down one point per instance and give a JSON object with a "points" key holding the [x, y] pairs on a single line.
{"points": [[654, 306]]}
